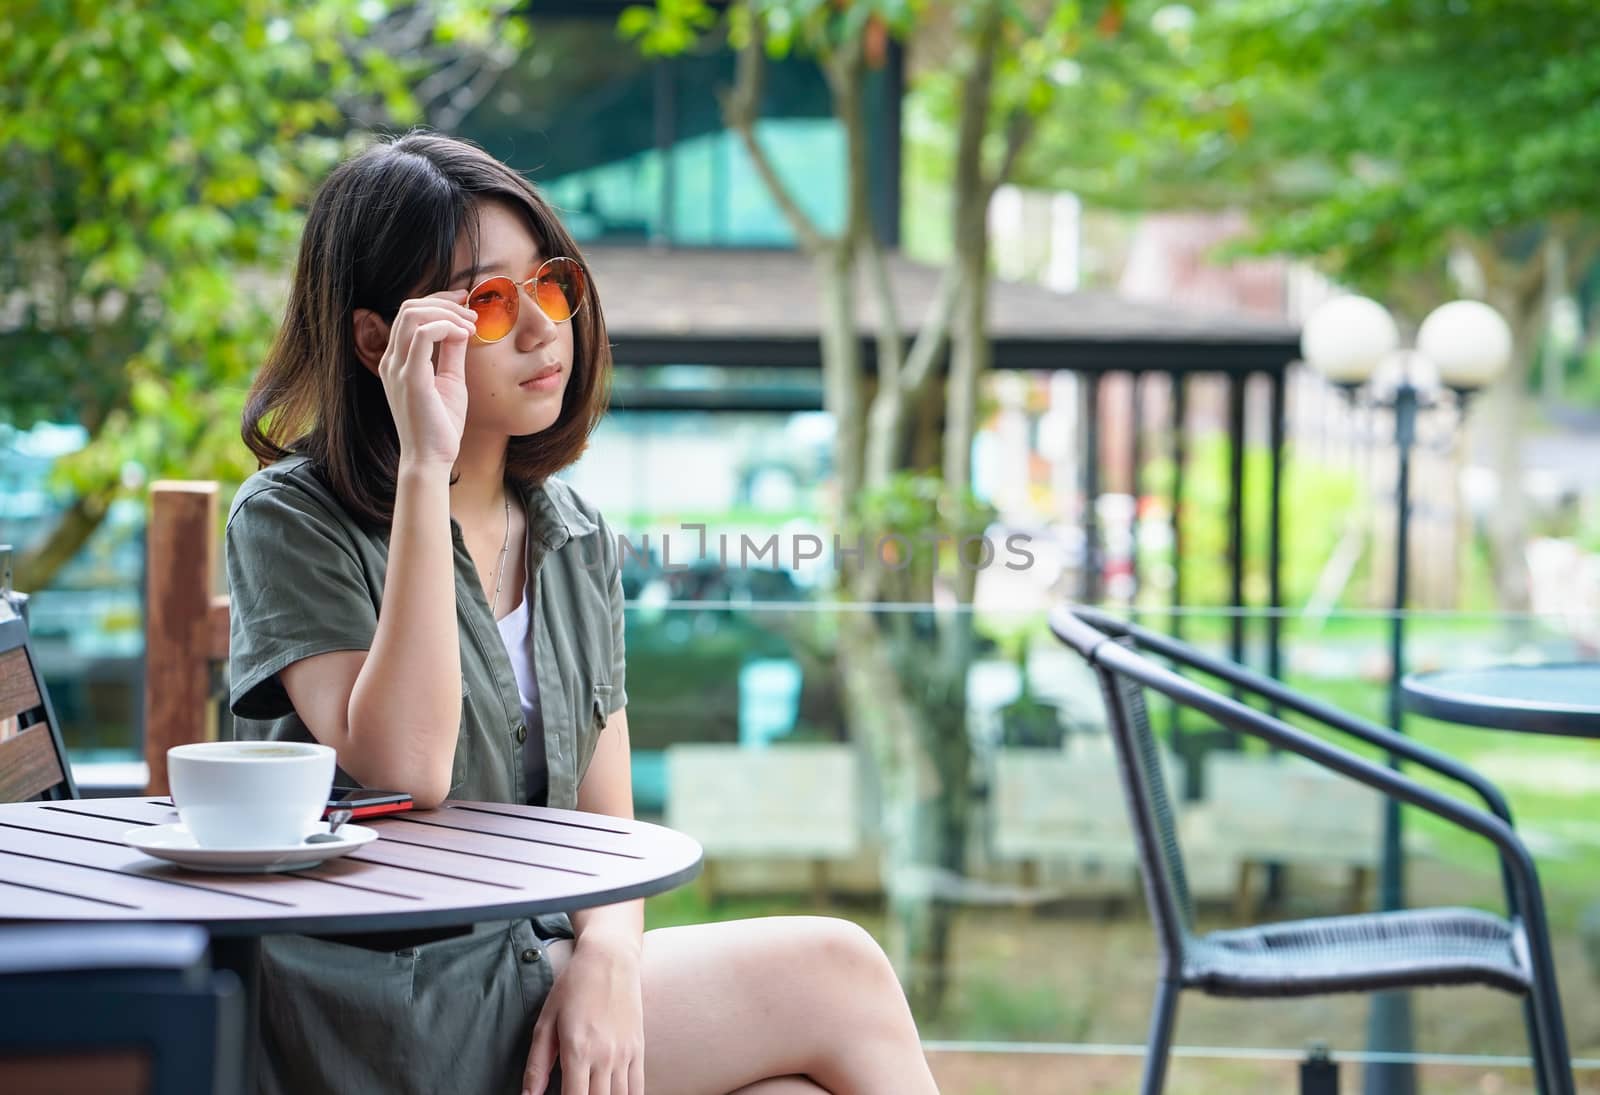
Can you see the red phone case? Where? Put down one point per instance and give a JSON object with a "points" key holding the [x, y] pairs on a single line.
{"points": [[380, 808], [373, 810]]}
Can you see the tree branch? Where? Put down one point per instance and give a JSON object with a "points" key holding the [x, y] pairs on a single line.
{"points": [[1487, 259], [847, 73], [933, 334], [400, 35], [463, 99], [1019, 130], [446, 78], [741, 106], [891, 336], [1585, 251]]}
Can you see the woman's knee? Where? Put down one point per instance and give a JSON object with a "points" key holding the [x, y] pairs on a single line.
{"points": [[847, 950]]}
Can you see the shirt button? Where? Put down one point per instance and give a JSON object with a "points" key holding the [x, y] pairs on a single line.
{"points": [[530, 955], [522, 732]]}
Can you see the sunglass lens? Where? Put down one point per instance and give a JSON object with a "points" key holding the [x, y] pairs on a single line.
{"points": [[561, 288], [495, 304]]}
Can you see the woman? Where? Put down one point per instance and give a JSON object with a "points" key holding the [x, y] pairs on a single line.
{"points": [[412, 587]]}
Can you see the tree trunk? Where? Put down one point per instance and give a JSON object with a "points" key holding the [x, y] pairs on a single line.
{"points": [[927, 815], [841, 378], [917, 738], [39, 567], [1507, 403]]}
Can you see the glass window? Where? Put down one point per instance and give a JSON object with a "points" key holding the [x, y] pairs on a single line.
{"points": [[634, 149]]}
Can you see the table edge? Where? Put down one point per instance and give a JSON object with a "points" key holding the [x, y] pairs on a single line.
{"points": [[1528, 717]]}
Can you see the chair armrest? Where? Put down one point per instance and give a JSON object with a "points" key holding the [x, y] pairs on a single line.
{"points": [[72, 948], [1326, 714]]}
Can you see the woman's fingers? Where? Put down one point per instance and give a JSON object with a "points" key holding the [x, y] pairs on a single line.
{"points": [[454, 300], [541, 1058], [418, 363], [452, 360], [406, 324]]}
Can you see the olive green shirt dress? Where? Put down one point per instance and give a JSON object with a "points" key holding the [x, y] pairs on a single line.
{"points": [[441, 1015]]}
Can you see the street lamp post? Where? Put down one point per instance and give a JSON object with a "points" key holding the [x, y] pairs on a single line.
{"points": [[1353, 342]]}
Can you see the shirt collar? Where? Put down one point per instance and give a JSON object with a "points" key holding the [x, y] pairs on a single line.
{"points": [[553, 516]]}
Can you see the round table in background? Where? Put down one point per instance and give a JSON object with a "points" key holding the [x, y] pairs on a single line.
{"points": [[1559, 699]]}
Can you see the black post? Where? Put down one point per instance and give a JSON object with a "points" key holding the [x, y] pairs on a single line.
{"points": [[1089, 580], [1180, 415], [1389, 1028], [1136, 460], [1236, 443], [1180, 457], [1319, 1073], [1275, 536]]}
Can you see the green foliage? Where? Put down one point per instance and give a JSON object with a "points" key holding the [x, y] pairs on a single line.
{"points": [[670, 28], [930, 521], [1368, 134], [1321, 498], [811, 27], [912, 503], [156, 161]]}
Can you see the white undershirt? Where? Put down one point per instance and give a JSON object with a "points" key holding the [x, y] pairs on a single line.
{"points": [[517, 636]]}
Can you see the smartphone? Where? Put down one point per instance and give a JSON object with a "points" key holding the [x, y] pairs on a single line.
{"points": [[366, 801]]}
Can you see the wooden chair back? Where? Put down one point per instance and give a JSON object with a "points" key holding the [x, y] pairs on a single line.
{"points": [[186, 623], [33, 761]]}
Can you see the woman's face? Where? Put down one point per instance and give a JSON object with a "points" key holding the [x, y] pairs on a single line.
{"points": [[514, 386]]}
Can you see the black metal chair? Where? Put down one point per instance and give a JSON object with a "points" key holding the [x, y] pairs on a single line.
{"points": [[1359, 953], [105, 1007]]}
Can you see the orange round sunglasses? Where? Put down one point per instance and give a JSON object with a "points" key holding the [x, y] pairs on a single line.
{"points": [[558, 288]]}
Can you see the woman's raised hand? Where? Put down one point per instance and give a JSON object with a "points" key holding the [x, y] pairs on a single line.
{"points": [[428, 398]]}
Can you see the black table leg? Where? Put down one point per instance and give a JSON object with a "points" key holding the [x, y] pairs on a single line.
{"points": [[242, 955]]}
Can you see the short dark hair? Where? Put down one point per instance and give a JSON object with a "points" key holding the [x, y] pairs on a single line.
{"points": [[383, 227]]}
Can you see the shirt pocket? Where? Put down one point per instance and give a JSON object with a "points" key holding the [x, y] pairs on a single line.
{"points": [[589, 732]]}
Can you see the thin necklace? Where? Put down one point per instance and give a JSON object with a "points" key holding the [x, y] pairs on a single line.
{"points": [[500, 568]]}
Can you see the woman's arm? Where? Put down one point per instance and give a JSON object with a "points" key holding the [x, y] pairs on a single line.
{"points": [[607, 788], [393, 712]]}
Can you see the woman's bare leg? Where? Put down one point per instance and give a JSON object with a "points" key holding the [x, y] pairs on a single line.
{"points": [[782, 999], [783, 1085]]}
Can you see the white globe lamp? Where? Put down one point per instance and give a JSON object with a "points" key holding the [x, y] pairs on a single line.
{"points": [[1468, 341], [1347, 338]]}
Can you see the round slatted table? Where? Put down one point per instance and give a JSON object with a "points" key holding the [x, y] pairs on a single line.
{"points": [[460, 864]]}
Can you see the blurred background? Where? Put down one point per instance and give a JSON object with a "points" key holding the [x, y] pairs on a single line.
{"points": [[926, 315]]}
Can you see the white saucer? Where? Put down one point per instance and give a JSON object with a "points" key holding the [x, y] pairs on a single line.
{"points": [[176, 844]]}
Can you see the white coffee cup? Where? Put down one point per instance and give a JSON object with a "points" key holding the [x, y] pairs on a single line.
{"points": [[250, 794]]}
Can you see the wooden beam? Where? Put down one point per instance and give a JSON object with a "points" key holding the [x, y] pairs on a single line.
{"points": [[217, 628], [181, 552]]}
